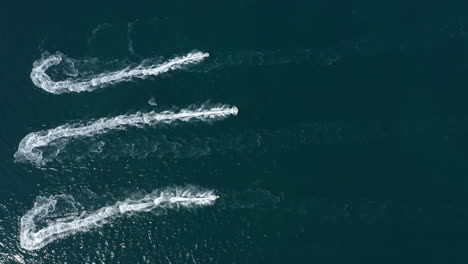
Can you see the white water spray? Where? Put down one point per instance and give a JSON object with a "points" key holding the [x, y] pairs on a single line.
{"points": [[40, 78], [29, 147], [32, 239]]}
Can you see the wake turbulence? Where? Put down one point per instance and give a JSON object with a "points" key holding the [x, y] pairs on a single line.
{"points": [[32, 239], [29, 147], [40, 78]]}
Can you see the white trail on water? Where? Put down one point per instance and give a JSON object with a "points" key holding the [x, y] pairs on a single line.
{"points": [[40, 78], [32, 239], [29, 147]]}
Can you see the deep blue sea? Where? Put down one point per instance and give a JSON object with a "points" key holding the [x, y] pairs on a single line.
{"points": [[350, 144]]}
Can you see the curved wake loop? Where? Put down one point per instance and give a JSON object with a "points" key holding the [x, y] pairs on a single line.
{"points": [[29, 149], [32, 239], [40, 78]]}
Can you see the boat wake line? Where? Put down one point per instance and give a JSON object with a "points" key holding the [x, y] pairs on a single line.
{"points": [[32, 239], [42, 80], [48, 221], [29, 149]]}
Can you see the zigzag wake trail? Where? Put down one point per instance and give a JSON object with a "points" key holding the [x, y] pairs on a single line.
{"points": [[40, 78], [32, 239], [29, 147]]}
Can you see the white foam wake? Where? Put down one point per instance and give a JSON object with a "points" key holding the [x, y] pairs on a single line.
{"points": [[32, 239], [29, 147], [44, 81]]}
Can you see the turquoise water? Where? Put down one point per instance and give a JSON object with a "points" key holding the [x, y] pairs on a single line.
{"points": [[349, 143]]}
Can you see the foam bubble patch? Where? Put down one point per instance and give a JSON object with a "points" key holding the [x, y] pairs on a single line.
{"points": [[34, 238], [41, 79], [29, 149]]}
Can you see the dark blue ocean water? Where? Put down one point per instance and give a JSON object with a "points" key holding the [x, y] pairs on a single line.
{"points": [[350, 145]]}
